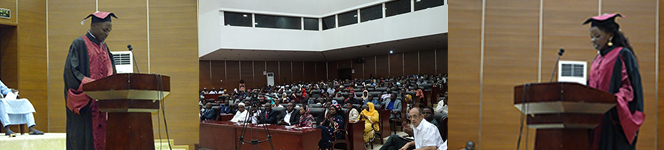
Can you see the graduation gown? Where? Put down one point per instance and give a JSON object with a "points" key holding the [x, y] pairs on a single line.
{"points": [[86, 125], [615, 70]]}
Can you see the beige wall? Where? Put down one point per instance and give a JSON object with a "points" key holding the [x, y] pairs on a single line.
{"points": [[495, 45], [164, 37]]}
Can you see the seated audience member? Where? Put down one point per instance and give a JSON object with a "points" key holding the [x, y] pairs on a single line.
{"points": [[21, 111], [268, 115], [442, 106], [353, 115], [418, 92], [306, 119], [333, 121], [394, 105], [387, 95], [370, 99], [469, 146], [204, 91], [289, 117], [212, 91], [277, 102], [227, 108], [396, 141], [369, 115], [209, 113], [426, 135], [241, 114]]}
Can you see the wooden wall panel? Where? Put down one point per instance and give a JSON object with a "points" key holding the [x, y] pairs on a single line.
{"points": [[309, 71], [204, 78], [345, 64], [129, 28], [9, 56], [359, 70], [502, 71], [285, 72], [396, 65], [428, 61], [247, 73], [260, 79], [441, 61], [298, 72], [369, 67], [11, 5], [410, 63], [321, 71], [382, 66], [62, 30], [332, 71], [273, 66], [638, 27], [176, 57], [232, 74], [660, 83], [218, 78]]}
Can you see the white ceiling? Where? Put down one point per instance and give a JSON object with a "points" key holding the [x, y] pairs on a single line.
{"points": [[438, 41], [297, 7]]}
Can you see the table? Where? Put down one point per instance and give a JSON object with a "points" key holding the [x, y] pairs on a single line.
{"points": [[223, 135]]}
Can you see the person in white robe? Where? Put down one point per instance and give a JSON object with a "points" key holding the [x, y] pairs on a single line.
{"points": [[16, 111]]}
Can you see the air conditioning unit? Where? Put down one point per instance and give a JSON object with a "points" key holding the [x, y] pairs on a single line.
{"points": [[572, 71], [270, 78], [123, 61]]}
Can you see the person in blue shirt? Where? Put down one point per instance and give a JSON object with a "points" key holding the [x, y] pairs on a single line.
{"points": [[394, 105]]}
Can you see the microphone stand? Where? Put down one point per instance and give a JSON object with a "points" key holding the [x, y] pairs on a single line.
{"points": [[555, 68], [254, 142], [134, 57]]}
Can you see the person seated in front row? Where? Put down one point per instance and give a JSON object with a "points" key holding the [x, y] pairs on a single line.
{"points": [[268, 115], [425, 132], [227, 108], [21, 111], [289, 117], [369, 115], [333, 121], [209, 113], [241, 114], [306, 119]]}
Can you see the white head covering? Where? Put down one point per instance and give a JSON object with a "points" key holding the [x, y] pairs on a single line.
{"points": [[240, 104]]}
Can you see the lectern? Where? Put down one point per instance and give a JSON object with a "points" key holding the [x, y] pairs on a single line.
{"points": [[563, 113], [129, 100]]}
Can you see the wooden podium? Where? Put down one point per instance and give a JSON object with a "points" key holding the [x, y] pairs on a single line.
{"points": [[129, 100], [563, 113]]}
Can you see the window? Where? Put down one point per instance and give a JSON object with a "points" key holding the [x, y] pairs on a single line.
{"points": [[348, 18], [282, 22], [424, 4], [397, 7], [371, 13], [329, 22], [311, 24], [237, 19]]}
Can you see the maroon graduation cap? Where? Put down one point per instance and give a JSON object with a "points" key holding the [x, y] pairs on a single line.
{"points": [[100, 16]]}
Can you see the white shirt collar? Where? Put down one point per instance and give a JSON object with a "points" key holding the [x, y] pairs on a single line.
{"points": [[93, 36]]}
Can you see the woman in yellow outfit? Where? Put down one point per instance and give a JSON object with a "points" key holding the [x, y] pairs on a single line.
{"points": [[369, 115]]}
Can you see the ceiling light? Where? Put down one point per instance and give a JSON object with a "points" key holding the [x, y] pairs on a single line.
{"points": [[391, 52], [245, 15]]}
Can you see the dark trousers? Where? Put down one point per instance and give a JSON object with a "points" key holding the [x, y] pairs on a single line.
{"points": [[395, 142]]}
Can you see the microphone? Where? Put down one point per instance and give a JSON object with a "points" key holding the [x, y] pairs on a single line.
{"points": [[132, 56], [555, 68]]}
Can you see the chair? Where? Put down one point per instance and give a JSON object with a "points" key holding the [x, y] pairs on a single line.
{"points": [[344, 139], [395, 122], [443, 128]]}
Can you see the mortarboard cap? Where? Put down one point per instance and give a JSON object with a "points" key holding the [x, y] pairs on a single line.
{"points": [[605, 22], [100, 16]]}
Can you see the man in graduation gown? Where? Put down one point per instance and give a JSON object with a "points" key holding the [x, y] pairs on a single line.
{"points": [[89, 59], [615, 70]]}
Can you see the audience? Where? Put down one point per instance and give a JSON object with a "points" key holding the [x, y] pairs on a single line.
{"points": [[394, 105], [333, 121], [209, 113], [353, 115], [369, 115], [289, 117], [241, 114], [268, 115]]}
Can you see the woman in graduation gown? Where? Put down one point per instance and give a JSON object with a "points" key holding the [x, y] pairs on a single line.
{"points": [[615, 70]]}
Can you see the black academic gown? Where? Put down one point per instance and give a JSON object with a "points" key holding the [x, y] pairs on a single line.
{"points": [[77, 66]]}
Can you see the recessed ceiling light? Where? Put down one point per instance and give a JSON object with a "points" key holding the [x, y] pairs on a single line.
{"points": [[391, 51], [245, 15]]}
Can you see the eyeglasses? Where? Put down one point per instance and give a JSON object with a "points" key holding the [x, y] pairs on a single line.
{"points": [[413, 116]]}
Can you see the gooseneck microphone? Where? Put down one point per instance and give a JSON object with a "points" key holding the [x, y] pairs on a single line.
{"points": [[555, 68], [132, 56]]}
